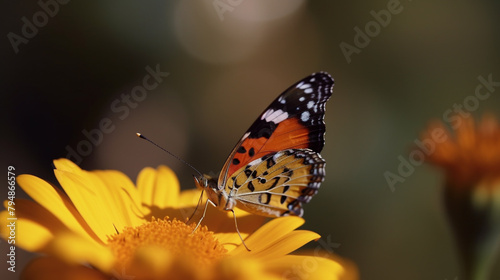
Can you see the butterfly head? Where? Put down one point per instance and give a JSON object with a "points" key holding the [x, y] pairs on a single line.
{"points": [[201, 181], [208, 184]]}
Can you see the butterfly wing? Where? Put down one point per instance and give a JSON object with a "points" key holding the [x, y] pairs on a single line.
{"points": [[294, 121], [277, 184]]}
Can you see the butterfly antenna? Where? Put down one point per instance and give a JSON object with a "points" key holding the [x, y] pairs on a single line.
{"points": [[170, 153]]}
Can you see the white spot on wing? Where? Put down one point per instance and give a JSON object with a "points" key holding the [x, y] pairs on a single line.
{"points": [[256, 162], [281, 100], [274, 116], [308, 90], [302, 98], [276, 156], [266, 114], [310, 104], [305, 116], [304, 86], [281, 117]]}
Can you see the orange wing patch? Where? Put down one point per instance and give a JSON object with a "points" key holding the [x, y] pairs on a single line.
{"points": [[289, 134]]}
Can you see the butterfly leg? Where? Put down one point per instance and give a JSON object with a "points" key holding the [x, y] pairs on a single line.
{"points": [[204, 212], [238, 231], [196, 209]]}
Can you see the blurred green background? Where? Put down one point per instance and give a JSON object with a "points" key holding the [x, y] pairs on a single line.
{"points": [[225, 67]]}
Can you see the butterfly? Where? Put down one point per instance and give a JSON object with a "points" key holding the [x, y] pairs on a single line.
{"points": [[276, 167]]}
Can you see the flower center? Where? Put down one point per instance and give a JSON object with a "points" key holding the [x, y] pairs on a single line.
{"points": [[164, 242]]}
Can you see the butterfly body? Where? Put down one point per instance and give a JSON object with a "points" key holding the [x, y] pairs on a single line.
{"points": [[276, 166]]}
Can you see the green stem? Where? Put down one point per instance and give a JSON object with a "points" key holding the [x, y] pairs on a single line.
{"points": [[475, 219]]}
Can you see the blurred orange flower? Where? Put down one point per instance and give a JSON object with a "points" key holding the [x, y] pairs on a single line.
{"points": [[470, 158]]}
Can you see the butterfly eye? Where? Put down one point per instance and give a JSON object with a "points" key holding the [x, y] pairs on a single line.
{"points": [[201, 181], [205, 182]]}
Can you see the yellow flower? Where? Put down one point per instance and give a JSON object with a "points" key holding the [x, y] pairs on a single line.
{"points": [[470, 158], [102, 227]]}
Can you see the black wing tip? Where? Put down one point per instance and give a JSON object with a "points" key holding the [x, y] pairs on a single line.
{"points": [[325, 79], [323, 75]]}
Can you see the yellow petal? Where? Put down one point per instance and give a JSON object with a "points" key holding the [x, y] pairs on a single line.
{"points": [[189, 198], [167, 188], [241, 268], [65, 164], [35, 226], [269, 233], [126, 197], [159, 188], [76, 250], [49, 268], [98, 203], [230, 240], [28, 235], [286, 244], [87, 196], [309, 267], [152, 261], [145, 184], [226, 231], [54, 201]]}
